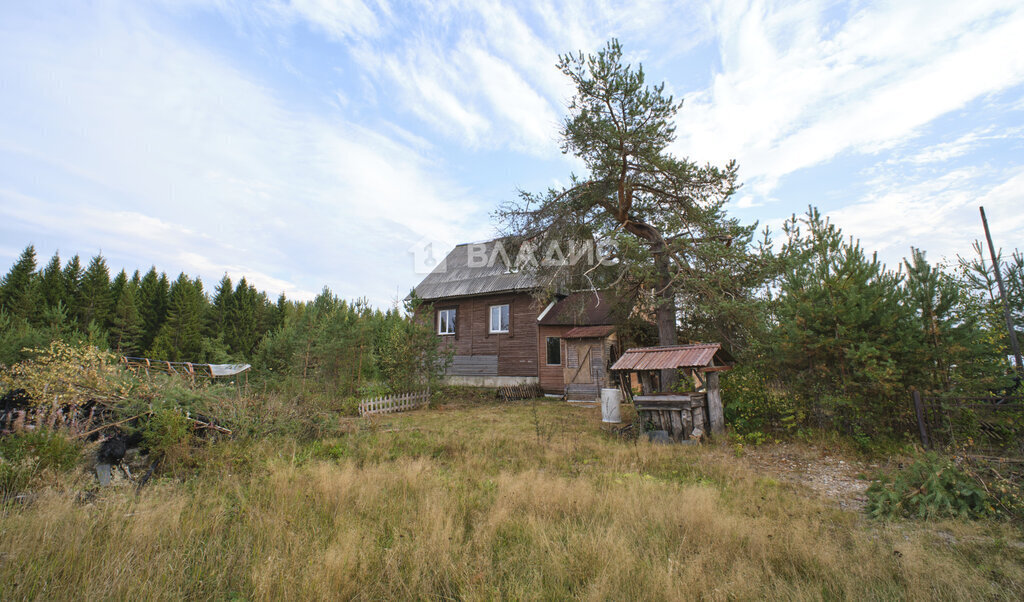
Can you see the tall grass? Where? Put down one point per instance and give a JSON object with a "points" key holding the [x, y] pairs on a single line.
{"points": [[469, 503]]}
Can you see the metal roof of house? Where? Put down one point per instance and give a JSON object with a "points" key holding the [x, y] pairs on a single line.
{"points": [[662, 358], [583, 308], [458, 276], [589, 332]]}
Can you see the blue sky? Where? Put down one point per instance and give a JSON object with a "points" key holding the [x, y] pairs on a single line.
{"points": [[316, 142]]}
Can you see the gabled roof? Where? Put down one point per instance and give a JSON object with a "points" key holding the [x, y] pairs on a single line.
{"points": [[583, 308], [677, 356], [458, 276]]}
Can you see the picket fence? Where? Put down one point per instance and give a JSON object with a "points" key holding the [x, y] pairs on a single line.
{"points": [[394, 403]]}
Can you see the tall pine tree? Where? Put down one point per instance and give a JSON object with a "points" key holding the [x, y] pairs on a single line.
{"points": [[843, 329]]}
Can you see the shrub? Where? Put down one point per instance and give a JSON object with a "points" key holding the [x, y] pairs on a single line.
{"points": [[931, 487], [63, 374], [26, 455], [165, 429]]}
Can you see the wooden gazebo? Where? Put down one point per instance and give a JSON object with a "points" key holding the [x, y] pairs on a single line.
{"points": [[683, 414]]}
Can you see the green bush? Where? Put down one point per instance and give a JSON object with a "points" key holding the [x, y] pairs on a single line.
{"points": [[166, 428], [931, 487], [27, 454]]}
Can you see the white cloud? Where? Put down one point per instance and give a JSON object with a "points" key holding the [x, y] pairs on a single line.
{"points": [[340, 19], [147, 139], [939, 215], [944, 151], [795, 91]]}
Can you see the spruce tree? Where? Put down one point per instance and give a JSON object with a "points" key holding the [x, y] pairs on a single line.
{"points": [[51, 284], [95, 302], [126, 331], [116, 286], [279, 313], [181, 336], [242, 332], [72, 276], [152, 301], [218, 315], [18, 292]]}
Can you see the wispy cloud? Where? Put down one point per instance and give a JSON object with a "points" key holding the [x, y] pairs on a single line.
{"points": [[797, 88], [308, 142], [131, 117], [939, 214]]}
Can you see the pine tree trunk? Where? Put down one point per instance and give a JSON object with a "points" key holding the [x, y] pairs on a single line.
{"points": [[666, 316]]}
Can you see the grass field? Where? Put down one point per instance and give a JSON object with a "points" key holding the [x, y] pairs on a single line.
{"points": [[482, 501]]}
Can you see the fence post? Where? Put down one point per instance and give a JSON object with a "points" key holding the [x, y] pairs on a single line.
{"points": [[919, 411]]}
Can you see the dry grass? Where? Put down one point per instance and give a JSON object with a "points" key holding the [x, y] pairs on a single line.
{"points": [[484, 502]]}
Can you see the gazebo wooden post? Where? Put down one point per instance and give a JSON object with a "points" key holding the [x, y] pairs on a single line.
{"points": [[646, 386], [716, 413]]}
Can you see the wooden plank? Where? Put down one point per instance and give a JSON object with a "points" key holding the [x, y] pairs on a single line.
{"points": [[698, 419], [659, 398], [716, 414], [677, 424]]}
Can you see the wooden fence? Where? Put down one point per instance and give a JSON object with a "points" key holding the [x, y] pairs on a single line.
{"points": [[516, 392], [982, 425], [394, 403]]}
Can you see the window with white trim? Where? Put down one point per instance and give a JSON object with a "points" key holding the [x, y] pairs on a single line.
{"points": [[499, 318], [446, 321]]}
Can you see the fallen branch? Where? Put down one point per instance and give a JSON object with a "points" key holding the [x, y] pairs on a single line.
{"points": [[105, 426], [210, 425]]}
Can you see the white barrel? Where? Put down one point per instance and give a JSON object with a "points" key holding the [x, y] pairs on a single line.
{"points": [[610, 402]]}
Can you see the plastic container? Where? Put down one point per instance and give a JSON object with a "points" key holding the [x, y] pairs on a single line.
{"points": [[611, 400]]}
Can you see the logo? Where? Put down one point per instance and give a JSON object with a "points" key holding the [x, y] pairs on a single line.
{"points": [[428, 255]]}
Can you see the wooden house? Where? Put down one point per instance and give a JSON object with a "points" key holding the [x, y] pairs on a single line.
{"points": [[501, 335]]}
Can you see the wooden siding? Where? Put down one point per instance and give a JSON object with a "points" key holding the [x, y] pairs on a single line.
{"points": [[473, 365], [551, 380], [516, 350]]}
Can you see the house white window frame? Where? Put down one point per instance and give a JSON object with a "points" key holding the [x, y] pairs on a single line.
{"points": [[508, 318], [441, 321]]}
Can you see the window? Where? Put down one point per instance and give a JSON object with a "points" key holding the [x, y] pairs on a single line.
{"points": [[554, 351], [446, 321], [499, 318]]}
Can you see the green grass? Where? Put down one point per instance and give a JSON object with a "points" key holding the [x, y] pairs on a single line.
{"points": [[482, 501]]}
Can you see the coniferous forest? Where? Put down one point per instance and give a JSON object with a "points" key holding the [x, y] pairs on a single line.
{"points": [[325, 344]]}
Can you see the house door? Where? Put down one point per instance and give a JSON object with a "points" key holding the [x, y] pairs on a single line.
{"points": [[578, 364], [580, 383]]}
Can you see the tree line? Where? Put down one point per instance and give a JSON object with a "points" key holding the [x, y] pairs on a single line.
{"points": [[325, 344], [138, 315], [838, 339]]}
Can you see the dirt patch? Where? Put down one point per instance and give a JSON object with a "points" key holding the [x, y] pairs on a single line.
{"points": [[832, 477]]}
